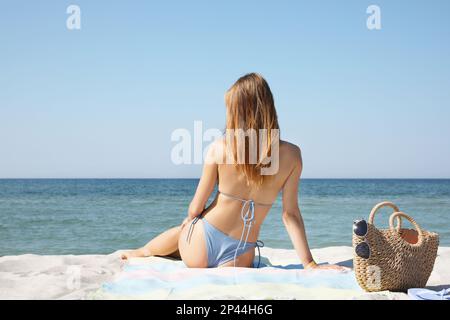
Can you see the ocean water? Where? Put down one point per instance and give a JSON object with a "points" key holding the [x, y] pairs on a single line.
{"points": [[87, 216]]}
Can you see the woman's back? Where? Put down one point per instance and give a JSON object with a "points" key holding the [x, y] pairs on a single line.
{"points": [[225, 212]]}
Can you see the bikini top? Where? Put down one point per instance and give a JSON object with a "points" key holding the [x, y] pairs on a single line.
{"points": [[250, 202]]}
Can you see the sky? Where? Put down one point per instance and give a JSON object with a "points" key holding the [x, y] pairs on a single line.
{"points": [[102, 101]]}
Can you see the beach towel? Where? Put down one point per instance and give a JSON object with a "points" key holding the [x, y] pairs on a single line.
{"points": [[428, 294], [161, 278]]}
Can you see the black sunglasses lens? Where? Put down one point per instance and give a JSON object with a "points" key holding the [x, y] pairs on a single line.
{"points": [[362, 250], [360, 228]]}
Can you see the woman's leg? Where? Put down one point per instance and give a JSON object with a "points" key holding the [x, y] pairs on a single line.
{"points": [[164, 244]]}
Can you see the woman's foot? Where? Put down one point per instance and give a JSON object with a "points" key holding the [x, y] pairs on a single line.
{"points": [[141, 252]]}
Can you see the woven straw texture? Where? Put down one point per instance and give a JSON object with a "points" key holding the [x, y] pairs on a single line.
{"points": [[395, 264]]}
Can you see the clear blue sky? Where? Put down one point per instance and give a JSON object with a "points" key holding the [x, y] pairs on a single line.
{"points": [[102, 101]]}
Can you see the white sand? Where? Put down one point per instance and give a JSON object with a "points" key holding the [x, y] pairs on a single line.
{"points": [[55, 277]]}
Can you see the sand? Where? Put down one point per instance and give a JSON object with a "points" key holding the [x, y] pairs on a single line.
{"points": [[79, 276]]}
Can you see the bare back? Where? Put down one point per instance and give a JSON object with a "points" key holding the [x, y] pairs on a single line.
{"points": [[225, 213]]}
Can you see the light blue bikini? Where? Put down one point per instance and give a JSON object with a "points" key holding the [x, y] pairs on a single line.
{"points": [[222, 248]]}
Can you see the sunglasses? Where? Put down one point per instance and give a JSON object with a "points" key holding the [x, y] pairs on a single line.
{"points": [[360, 229]]}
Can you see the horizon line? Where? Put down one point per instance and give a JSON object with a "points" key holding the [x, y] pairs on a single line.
{"points": [[197, 178]]}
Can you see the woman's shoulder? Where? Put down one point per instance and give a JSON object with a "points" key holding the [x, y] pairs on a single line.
{"points": [[290, 150], [290, 156]]}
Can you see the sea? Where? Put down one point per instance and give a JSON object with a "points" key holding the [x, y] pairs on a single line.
{"points": [[100, 216]]}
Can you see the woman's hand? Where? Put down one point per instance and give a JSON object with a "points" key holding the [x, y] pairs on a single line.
{"points": [[329, 267]]}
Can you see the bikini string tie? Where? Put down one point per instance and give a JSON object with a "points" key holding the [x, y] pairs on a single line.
{"points": [[247, 216], [259, 244], [191, 227]]}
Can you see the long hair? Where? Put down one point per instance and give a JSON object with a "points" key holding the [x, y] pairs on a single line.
{"points": [[251, 109]]}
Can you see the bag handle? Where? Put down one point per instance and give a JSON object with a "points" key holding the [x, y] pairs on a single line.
{"points": [[410, 219], [385, 204]]}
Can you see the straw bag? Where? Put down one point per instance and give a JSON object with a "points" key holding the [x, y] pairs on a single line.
{"points": [[392, 259]]}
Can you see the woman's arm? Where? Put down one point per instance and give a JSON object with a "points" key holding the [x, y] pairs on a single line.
{"points": [[292, 218], [206, 184]]}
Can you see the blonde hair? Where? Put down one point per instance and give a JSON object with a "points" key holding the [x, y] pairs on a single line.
{"points": [[250, 105]]}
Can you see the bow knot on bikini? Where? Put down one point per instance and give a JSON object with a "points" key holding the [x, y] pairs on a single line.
{"points": [[249, 214]]}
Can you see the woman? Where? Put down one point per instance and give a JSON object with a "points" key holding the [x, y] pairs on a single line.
{"points": [[225, 233]]}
